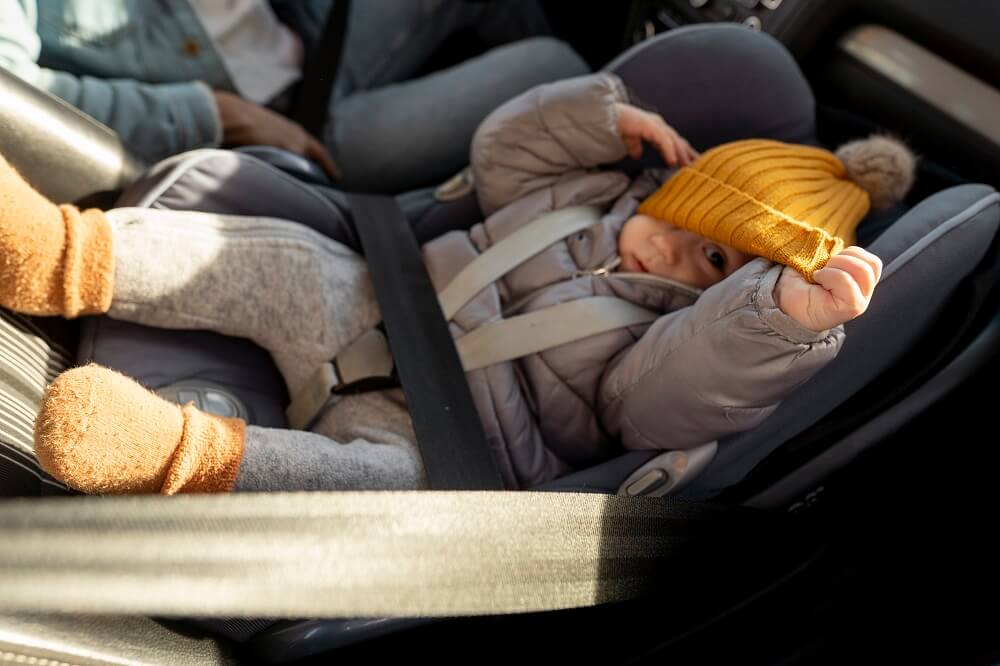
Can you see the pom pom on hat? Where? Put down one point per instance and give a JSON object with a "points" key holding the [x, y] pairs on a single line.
{"points": [[793, 204], [881, 166]]}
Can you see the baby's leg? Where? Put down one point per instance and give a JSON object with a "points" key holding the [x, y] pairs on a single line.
{"points": [[378, 450], [100, 432], [291, 290], [294, 292]]}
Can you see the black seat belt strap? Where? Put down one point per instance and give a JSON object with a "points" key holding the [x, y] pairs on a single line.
{"points": [[451, 439], [311, 104]]}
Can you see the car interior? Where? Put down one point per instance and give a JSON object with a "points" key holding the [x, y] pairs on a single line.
{"points": [[866, 466]]}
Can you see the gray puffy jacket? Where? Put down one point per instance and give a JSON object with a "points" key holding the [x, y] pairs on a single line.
{"points": [[713, 364]]}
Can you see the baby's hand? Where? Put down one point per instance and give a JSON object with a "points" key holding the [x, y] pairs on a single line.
{"points": [[636, 125], [843, 291]]}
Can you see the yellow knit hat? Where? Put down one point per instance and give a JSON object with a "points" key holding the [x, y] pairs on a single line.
{"points": [[793, 204]]}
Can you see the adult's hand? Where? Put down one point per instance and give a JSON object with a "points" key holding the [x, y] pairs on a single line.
{"points": [[245, 123]]}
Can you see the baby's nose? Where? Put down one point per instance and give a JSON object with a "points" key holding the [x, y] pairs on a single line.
{"points": [[667, 249]]}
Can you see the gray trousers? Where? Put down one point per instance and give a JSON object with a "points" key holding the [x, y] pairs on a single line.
{"points": [[392, 132], [299, 295], [392, 129]]}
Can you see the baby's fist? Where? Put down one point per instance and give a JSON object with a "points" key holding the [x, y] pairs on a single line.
{"points": [[842, 291]]}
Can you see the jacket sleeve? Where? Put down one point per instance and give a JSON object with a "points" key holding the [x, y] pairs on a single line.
{"points": [[715, 368], [545, 136], [153, 120]]}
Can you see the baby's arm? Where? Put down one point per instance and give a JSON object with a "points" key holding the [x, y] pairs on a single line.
{"points": [[546, 136], [715, 368], [636, 126], [842, 290], [554, 133]]}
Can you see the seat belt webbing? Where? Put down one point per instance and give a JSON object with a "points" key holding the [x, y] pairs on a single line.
{"points": [[353, 554], [452, 442]]}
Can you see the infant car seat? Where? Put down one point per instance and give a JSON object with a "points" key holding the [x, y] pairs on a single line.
{"points": [[935, 302]]}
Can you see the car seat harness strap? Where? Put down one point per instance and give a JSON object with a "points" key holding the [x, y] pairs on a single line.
{"points": [[367, 363], [511, 252]]}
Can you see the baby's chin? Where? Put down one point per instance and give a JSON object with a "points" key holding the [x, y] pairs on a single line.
{"points": [[632, 265]]}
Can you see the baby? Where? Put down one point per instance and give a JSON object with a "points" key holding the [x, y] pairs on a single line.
{"points": [[735, 336]]}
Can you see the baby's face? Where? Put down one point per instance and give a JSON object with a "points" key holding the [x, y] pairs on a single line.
{"points": [[649, 245]]}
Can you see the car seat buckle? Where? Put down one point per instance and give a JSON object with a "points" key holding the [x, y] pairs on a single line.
{"points": [[364, 365]]}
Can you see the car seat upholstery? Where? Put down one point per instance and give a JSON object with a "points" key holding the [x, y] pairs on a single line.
{"points": [[928, 253]]}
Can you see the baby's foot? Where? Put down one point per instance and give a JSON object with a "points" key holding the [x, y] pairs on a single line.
{"points": [[54, 260], [100, 432]]}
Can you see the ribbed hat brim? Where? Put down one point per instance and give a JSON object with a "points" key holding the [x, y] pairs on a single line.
{"points": [[790, 204]]}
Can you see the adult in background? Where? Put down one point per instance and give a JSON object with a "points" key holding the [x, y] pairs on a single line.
{"points": [[174, 75]]}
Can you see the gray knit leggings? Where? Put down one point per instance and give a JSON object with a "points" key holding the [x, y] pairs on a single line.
{"points": [[297, 294]]}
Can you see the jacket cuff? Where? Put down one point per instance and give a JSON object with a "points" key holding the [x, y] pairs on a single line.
{"points": [[618, 93], [772, 316], [197, 119], [617, 87]]}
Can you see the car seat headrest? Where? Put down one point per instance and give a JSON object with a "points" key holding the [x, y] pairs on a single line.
{"points": [[708, 85]]}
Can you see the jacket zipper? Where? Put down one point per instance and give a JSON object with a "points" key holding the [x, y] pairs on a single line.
{"points": [[607, 270], [615, 261]]}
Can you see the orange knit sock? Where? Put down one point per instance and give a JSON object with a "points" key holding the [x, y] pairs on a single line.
{"points": [[54, 260], [101, 432]]}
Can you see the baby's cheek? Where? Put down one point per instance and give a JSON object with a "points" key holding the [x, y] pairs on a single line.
{"points": [[628, 237]]}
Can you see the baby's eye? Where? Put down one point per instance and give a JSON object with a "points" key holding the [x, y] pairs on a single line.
{"points": [[716, 258]]}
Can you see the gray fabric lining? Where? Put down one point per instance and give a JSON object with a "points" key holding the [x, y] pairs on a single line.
{"points": [[836, 457], [935, 236], [226, 182], [158, 357], [219, 165]]}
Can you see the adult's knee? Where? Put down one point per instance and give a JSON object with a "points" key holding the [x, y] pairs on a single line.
{"points": [[543, 58]]}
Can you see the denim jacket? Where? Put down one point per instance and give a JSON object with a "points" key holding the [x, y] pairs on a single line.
{"points": [[144, 68]]}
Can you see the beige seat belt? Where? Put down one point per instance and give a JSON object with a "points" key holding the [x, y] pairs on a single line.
{"points": [[356, 554], [504, 340], [530, 333]]}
